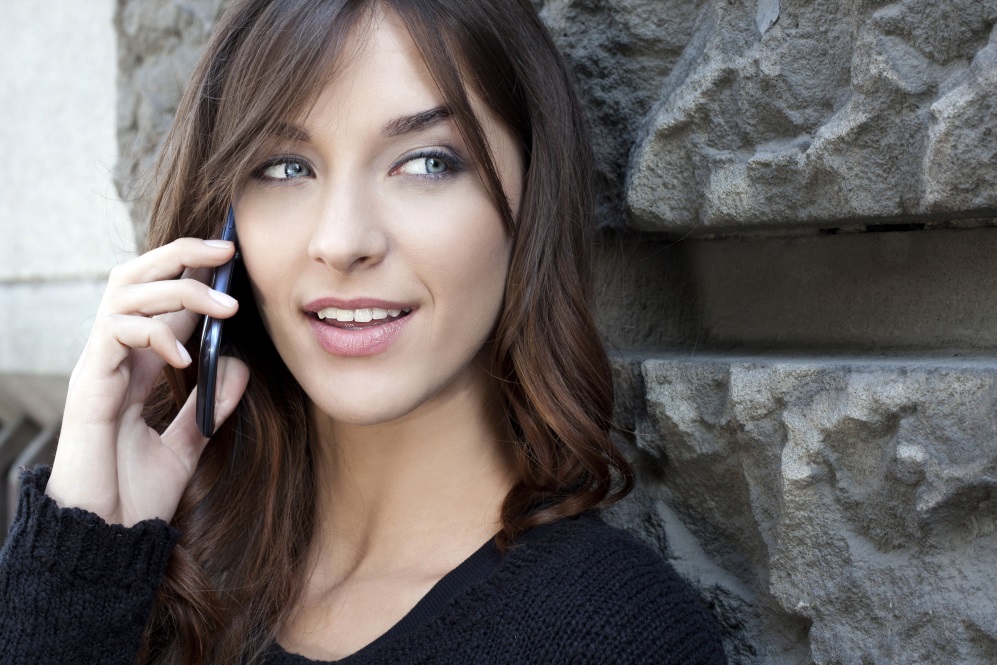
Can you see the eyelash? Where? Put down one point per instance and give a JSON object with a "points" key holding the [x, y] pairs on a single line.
{"points": [[280, 159], [454, 165]]}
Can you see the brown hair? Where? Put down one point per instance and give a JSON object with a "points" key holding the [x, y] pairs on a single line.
{"points": [[246, 517]]}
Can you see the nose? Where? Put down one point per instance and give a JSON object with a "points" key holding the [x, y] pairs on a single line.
{"points": [[348, 234]]}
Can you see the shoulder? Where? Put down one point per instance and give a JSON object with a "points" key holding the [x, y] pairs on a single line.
{"points": [[626, 598], [595, 557]]}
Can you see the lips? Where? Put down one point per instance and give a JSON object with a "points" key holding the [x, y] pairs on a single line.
{"points": [[359, 327]]}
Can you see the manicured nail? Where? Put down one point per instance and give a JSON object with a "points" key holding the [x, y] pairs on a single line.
{"points": [[218, 244], [183, 353], [222, 298]]}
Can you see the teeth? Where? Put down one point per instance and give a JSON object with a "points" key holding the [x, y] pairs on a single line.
{"points": [[361, 315]]}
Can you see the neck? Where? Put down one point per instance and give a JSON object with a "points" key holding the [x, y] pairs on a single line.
{"points": [[432, 481]]}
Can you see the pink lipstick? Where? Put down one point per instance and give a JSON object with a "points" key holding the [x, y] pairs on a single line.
{"points": [[357, 327]]}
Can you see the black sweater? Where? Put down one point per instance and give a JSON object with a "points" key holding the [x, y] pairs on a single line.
{"points": [[74, 589]]}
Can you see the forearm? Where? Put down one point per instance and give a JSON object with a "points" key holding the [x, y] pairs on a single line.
{"points": [[73, 588]]}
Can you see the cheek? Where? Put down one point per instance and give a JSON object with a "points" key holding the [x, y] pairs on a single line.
{"points": [[270, 258], [272, 234], [470, 272]]}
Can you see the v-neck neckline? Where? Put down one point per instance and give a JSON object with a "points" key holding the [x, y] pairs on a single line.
{"points": [[475, 568]]}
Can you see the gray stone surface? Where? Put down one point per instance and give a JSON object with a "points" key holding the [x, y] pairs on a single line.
{"points": [[644, 296], [791, 113], [843, 511], [621, 52], [158, 46]]}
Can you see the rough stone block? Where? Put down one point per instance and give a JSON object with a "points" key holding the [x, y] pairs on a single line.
{"points": [[158, 46], [833, 512], [621, 52], [793, 113]]}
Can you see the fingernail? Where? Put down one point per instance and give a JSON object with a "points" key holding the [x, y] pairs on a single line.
{"points": [[183, 352], [222, 298], [218, 244]]}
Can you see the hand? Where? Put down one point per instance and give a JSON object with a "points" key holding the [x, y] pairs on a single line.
{"points": [[109, 461]]}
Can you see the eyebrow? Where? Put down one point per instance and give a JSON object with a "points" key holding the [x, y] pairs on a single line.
{"points": [[291, 132], [403, 125], [415, 122]]}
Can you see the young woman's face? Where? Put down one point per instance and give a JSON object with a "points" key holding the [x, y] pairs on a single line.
{"points": [[376, 255]]}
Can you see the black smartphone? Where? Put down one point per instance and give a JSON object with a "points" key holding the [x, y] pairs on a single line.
{"points": [[211, 337]]}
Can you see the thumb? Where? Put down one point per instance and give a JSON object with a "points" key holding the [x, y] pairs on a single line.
{"points": [[183, 435], [233, 377]]}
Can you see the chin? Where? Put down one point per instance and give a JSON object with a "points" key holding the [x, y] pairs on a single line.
{"points": [[367, 410], [404, 397]]}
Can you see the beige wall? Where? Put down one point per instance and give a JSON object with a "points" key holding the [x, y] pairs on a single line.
{"points": [[62, 225]]}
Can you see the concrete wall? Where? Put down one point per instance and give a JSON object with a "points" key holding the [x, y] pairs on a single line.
{"points": [[796, 281], [62, 224]]}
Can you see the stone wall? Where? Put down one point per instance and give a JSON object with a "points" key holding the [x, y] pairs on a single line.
{"points": [[796, 280]]}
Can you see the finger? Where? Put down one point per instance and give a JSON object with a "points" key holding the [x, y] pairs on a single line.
{"points": [[183, 435], [168, 261], [183, 323], [116, 335], [153, 298]]}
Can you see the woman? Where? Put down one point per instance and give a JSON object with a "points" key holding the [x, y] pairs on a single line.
{"points": [[415, 422]]}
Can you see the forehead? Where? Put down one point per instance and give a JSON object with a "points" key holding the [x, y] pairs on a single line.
{"points": [[379, 74]]}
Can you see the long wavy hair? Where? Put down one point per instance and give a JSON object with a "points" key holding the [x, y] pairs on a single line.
{"points": [[246, 517]]}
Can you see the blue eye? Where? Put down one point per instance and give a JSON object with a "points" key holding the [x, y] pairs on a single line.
{"points": [[284, 168], [435, 163]]}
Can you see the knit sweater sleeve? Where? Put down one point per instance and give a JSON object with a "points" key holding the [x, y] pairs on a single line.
{"points": [[74, 589]]}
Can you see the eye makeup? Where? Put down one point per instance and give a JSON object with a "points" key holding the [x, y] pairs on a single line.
{"points": [[446, 158], [295, 167]]}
